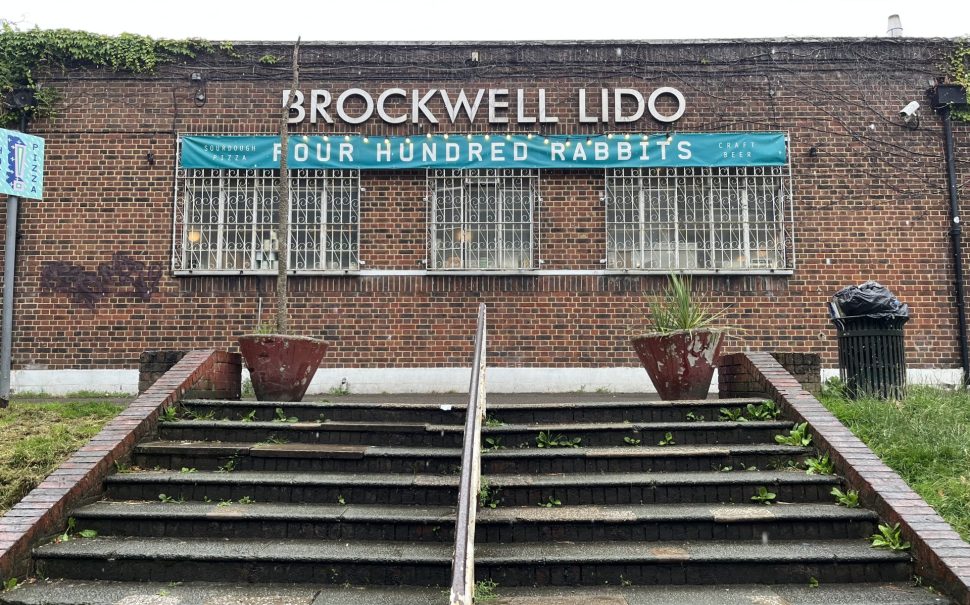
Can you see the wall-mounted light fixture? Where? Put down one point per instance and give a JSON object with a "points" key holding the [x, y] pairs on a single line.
{"points": [[200, 96], [150, 158]]}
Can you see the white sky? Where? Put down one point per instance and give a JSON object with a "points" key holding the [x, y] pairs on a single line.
{"points": [[403, 20]]}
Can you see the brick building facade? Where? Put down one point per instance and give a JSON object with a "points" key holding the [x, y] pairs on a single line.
{"points": [[103, 261]]}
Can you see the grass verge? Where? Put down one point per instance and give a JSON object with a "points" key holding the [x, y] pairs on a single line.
{"points": [[925, 438], [35, 438]]}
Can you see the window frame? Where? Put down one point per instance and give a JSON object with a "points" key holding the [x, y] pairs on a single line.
{"points": [[672, 190], [506, 183], [255, 189]]}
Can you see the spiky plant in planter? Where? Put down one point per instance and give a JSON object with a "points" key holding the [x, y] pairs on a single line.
{"points": [[281, 365], [680, 343]]}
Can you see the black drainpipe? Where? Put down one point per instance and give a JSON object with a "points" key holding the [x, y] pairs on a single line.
{"points": [[944, 97]]}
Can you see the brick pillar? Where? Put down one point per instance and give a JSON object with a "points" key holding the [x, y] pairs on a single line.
{"points": [[734, 379], [223, 382]]}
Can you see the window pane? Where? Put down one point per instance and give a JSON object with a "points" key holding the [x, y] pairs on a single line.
{"points": [[696, 218], [482, 219], [228, 220]]}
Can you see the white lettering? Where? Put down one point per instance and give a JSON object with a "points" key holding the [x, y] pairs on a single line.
{"points": [[684, 151], [520, 116], [643, 149], [320, 156], [494, 105], [583, 118], [301, 152], [542, 109], [474, 152], [297, 105], [668, 90], [520, 151], [579, 153], [418, 106], [382, 112], [346, 152], [461, 103], [557, 151], [406, 153], [624, 150], [618, 95], [498, 151], [319, 101], [276, 152], [601, 151], [429, 152], [662, 143], [384, 152], [368, 105], [451, 152]]}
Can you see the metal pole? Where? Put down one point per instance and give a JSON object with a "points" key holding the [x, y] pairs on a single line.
{"points": [[955, 238], [9, 264], [9, 261]]}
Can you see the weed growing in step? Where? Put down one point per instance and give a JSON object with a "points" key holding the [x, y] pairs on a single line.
{"points": [[485, 591], [9, 584], [813, 582], [165, 499], [551, 502], [492, 422], [487, 495], [799, 435], [492, 443], [764, 496], [766, 410], [228, 467], [667, 440], [250, 417], [890, 537], [692, 417], [340, 500], [547, 440], [246, 500], [731, 415], [69, 533], [821, 465], [186, 470], [194, 415], [631, 441], [169, 414], [848, 499], [282, 417]]}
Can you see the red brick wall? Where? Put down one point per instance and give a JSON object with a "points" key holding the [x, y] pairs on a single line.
{"points": [[871, 205]]}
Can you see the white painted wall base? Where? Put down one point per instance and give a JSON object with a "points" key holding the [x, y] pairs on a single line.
{"points": [[420, 380]]}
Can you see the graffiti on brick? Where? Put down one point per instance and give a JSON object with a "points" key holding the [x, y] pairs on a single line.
{"points": [[85, 288]]}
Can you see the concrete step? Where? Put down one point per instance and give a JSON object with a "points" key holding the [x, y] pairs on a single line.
{"points": [[67, 592], [450, 435], [507, 525], [293, 457], [428, 564], [508, 489], [531, 412]]}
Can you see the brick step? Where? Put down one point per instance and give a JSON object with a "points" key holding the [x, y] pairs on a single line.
{"points": [[443, 435], [510, 490], [64, 592], [703, 563], [428, 563], [513, 524], [293, 457], [437, 413]]}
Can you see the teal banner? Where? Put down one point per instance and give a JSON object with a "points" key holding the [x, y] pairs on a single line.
{"points": [[490, 151], [21, 164]]}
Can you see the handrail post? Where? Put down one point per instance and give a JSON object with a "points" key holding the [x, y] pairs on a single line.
{"points": [[463, 561]]}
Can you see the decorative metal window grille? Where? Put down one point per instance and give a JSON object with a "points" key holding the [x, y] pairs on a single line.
{"points": [[225, 221], [702, 219], [483, 219]]}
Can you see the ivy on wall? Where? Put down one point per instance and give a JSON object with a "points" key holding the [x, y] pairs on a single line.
{"points": [[23, 53], [959, 69]]}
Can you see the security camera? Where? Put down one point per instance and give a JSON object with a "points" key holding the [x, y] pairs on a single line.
{"points": [[909, 111], [910, 116]]}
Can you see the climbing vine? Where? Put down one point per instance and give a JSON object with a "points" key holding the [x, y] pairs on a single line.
{"points": [[959, 69], [23, 53]]}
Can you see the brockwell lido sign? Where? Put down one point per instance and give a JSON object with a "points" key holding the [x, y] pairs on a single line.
{"points": [[357, 152]]}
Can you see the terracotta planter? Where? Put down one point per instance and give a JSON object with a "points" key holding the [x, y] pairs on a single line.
{"points": [[281, 367], [680, 364]]}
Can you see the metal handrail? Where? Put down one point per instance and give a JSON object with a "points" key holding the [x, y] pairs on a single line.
{"points": [[463, 561]]}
